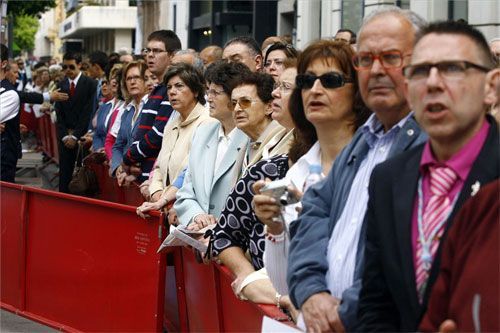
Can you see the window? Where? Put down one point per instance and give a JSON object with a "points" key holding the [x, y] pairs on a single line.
{"points": [[403, 4], [458, 9], [352, 14]]}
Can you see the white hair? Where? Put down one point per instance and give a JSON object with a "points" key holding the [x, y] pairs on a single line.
{"points": [[416, 20]]}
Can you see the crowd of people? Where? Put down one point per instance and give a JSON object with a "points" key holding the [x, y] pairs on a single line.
{"points": [[398, 231]]}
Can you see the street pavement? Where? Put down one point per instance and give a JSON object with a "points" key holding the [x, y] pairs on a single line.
{"points": [[11, 323]]}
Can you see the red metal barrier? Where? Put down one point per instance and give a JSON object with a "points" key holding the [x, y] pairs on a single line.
{"points": [[87, 265], [110, 191], [48, 137], [80, 264], [234, 309], [200, 282]]}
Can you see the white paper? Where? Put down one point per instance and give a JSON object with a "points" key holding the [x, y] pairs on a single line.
{"points": [[271, 325]]}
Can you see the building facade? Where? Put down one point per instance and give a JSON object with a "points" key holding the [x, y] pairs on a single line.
{"points": [[106, 25], [322, 18], [202, 22], [111, 25], [47, 41]]}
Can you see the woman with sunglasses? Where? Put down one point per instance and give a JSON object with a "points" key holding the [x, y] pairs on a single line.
{"points": [[111, 105], [275, 56], [134, 89], [186, 94], [327, 109]]}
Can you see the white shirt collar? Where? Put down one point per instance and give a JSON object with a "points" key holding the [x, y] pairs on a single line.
{"points": [[228, 137], [76, 79]]}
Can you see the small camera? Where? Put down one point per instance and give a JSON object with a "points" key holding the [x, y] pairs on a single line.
{"points": [[278, 190]]}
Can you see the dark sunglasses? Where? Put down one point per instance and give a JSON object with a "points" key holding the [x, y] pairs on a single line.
{"points": [[72, 67], [329, 80]]}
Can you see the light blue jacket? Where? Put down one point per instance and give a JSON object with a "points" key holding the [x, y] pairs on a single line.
{"points": [[205, 190], [322, 207]]}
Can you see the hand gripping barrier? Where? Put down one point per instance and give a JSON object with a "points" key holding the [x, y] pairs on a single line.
{"points": [[80, 264]]}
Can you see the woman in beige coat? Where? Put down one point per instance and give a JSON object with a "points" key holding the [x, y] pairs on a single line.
{"points": [[186, 94]]}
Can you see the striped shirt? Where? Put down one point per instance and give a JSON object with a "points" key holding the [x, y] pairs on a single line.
{"points": [[148, 135]]}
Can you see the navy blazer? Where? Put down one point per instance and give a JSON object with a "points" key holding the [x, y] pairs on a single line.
{"points": [[388, 299], [322, 206]]}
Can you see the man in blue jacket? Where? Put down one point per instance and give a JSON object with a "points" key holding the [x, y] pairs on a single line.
{"points": [[327, 240]]}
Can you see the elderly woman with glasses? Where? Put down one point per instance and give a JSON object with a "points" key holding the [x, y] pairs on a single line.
{"points": [[186, 94], [275, 56], [215, 161], [326, 110]]}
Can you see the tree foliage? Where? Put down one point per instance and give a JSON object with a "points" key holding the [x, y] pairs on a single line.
{"points": [[25, 28], [29, 7]]}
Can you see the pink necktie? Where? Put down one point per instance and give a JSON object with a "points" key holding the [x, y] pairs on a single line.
{"points": [[437, 211]]}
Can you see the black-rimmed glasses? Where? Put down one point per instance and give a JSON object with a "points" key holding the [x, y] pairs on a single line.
{"points": [[447, 69]]}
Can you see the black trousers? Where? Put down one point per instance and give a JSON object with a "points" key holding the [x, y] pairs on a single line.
{"points": [[67, 158], [8, 172]]}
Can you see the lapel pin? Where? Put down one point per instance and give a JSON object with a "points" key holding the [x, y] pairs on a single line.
{"points": [[410, 132], [475, 188]]}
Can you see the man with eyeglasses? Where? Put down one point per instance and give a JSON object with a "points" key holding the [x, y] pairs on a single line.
{"points": [[148, 136], [414, 197], [325, 259], [73, 115]]}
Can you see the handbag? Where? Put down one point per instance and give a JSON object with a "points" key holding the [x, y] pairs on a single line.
{"points": [[84, 181]]}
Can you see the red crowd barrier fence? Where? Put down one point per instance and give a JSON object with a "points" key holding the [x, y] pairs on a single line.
{"points": [[80, 264]]}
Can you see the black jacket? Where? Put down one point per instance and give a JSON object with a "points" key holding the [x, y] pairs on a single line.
{"points": [[74, 114]]}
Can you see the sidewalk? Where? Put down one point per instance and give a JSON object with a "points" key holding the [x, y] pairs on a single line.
{"points": [[11, 323]]}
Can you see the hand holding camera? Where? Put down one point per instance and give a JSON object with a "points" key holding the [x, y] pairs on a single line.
{"points": [[269, 200]]}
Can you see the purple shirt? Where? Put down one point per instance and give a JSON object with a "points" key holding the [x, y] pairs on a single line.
{"points": [[461, 163]]}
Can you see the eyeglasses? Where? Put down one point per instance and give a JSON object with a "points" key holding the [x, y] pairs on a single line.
{"points": [[388, 59], [284, 87], [329, 80], [72, 67], [244, 102], [134, 78], [154, 51], [215, 92], [277, 62], [447, 69]]}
